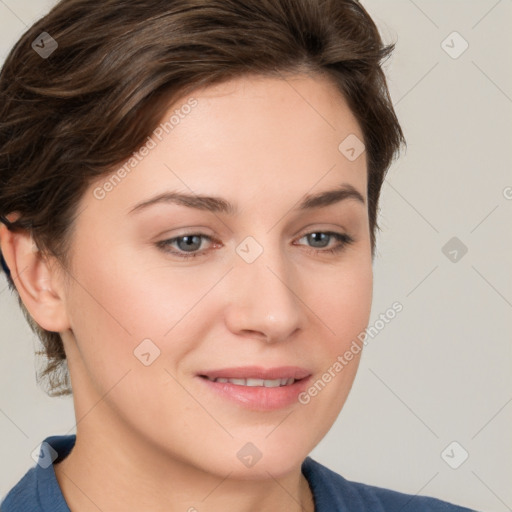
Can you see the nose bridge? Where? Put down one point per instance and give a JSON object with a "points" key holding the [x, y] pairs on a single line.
{"points": [[266, 300]]}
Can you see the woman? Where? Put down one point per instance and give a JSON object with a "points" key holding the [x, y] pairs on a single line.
{"points": [[189, 195]]}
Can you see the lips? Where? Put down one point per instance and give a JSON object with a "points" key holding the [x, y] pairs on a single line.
{"points": [[257, 388], [257, 372]]}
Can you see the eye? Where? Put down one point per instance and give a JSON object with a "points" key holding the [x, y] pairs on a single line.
{"points": [[188, 245], [324, 237]]}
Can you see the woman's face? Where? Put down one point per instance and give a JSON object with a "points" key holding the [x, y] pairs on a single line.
{"points": [[260, 288]]}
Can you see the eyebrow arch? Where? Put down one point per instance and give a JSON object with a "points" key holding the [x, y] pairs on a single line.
{"points": [[219, 205]]}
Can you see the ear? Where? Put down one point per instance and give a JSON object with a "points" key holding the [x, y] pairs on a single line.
{"points": [[38, 284]]}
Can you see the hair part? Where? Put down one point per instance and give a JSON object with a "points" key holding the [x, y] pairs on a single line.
{"points": [[68, 119]]}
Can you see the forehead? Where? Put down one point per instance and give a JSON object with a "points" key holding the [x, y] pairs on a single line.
{"points": [[263, 136], [302, 104]]}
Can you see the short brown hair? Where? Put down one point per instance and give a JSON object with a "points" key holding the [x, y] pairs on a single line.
{"points": [[67, 119]]}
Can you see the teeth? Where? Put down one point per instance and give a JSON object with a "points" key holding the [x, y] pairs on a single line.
{"points": [[256, 382]]}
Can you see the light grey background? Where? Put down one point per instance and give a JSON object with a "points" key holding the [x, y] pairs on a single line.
{"points": [[441, 370]]}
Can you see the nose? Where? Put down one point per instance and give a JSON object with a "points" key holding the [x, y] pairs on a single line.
{"points": [[264, 298]]}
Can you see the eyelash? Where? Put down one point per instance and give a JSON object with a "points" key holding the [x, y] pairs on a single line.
{"points": [[343, 239]]}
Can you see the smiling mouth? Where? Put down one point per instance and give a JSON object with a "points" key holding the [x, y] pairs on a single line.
{"points": [[246, 387], [267, 383]]}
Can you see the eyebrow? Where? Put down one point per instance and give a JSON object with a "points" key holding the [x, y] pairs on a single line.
{"points": [[219, 205]]}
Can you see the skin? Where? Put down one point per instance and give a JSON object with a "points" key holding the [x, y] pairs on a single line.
{"points": [[154, 437]]}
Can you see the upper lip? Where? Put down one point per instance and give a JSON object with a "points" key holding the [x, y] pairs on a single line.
{"points": [[258, 372]]}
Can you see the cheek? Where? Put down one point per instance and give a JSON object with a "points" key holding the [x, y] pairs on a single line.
{"points": [[128, 298], [342, 300], [341, 303], [112, 310], [113, 307], [118, 303]]}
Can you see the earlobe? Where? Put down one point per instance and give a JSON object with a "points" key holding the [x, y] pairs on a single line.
{"points": [[35, 280]]}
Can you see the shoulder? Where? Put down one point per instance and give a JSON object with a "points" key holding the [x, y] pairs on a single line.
{"points": [[21, 496], [38, 490], [333, 492]]}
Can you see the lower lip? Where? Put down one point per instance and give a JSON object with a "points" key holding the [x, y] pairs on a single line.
{"points": [[259, 398]]}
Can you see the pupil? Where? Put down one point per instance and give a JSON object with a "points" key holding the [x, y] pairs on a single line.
{"points": [[316, 236], [189, 241]]}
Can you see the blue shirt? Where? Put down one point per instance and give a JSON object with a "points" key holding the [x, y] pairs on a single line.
{"points": [[39, 491]]}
